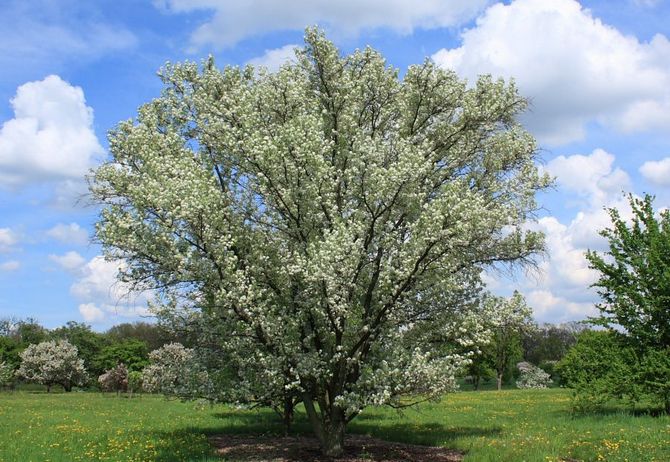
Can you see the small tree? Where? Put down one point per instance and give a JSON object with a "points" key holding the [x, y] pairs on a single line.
{"points": [[115, 379], [508, 319], [52, 363], [532, 376], [175, 371], [634, 285], [134, 382], [6, 374]]}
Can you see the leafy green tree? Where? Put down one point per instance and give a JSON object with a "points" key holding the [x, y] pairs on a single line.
{"points": [[9, 351], [133, 353], [632, 358], [154, 335], [634, 281], [599, 368], [317, 218]]}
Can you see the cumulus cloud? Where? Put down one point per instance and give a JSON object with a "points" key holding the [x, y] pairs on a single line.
{"points": [[69, 234], [235, 21], [561, 290], [273, 59], [8, 239], [11, 265], [657, 171], [99, 291], [590, 176], [573, 67], [70, 261], [51, 135], [91, 313]]}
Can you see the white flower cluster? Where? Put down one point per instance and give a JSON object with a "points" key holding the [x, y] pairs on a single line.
{"points": [[52, 363], [532, 376], [6, 374], [174, 371]]}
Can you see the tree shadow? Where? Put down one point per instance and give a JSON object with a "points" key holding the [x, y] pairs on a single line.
{"points": [[428, 433], [264, 425]]}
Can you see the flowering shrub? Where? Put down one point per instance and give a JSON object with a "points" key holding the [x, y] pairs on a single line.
{"points": [[175, 371], [115, 379], [52, 363], [532, 376], [6, 374]]}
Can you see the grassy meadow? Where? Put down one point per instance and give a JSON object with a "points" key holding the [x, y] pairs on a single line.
{"points": [[511, 425]]}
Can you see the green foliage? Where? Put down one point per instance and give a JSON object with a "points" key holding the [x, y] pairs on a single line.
{"points": [[634, 281], [9, 351], [133, 353], [634, 285], [134, 381], [599, 368], [6, 374], [153, 335]]}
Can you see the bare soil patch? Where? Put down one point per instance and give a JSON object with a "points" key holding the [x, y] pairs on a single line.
{"points": [[358, 448]]}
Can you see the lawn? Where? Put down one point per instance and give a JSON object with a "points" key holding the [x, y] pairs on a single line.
{"points": [[512, 425]]}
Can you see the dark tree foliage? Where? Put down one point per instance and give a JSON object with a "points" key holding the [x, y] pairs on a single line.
{"points": [[154, 335], [550, 342], [133, 353]]}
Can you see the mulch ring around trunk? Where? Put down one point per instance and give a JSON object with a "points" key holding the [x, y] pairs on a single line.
{"points": [[358, 448]]}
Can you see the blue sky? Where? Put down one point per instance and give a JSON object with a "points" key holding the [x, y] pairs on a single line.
{"points": [[597, 74]]}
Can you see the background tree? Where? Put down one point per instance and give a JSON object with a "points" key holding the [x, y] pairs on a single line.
{"points": [[52, 363], [508, 320], [153, 335], [6, 374], [175, 371], [133, 353], [599, 368], [114, 379], [319, 217]]}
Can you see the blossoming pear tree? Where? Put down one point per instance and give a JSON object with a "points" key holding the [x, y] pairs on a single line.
{"points": [[326, 221], [52, 363]]}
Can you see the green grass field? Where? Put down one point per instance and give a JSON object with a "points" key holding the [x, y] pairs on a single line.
{"points": [[512, 425]]}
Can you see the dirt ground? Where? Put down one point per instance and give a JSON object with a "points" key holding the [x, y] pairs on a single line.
{"points": [[358, 448]]}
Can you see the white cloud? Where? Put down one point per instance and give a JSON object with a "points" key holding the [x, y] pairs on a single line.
{"points": [[91, 313], [51, 135], [99, 288], [590, 176], [273, 59], [561, 291], [69, 234], [70, 261], [11, 265], [657, 171], [8, 239], [235, 21], [573, 67]]}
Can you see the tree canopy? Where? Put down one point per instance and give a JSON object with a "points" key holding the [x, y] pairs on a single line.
{"points": [[324, 225]]}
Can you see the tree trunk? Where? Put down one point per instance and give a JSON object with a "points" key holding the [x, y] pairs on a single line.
{"points": [[49, 388], [499, 378], [287, 414], [333, 441], [475, 381], [329, 429]]}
